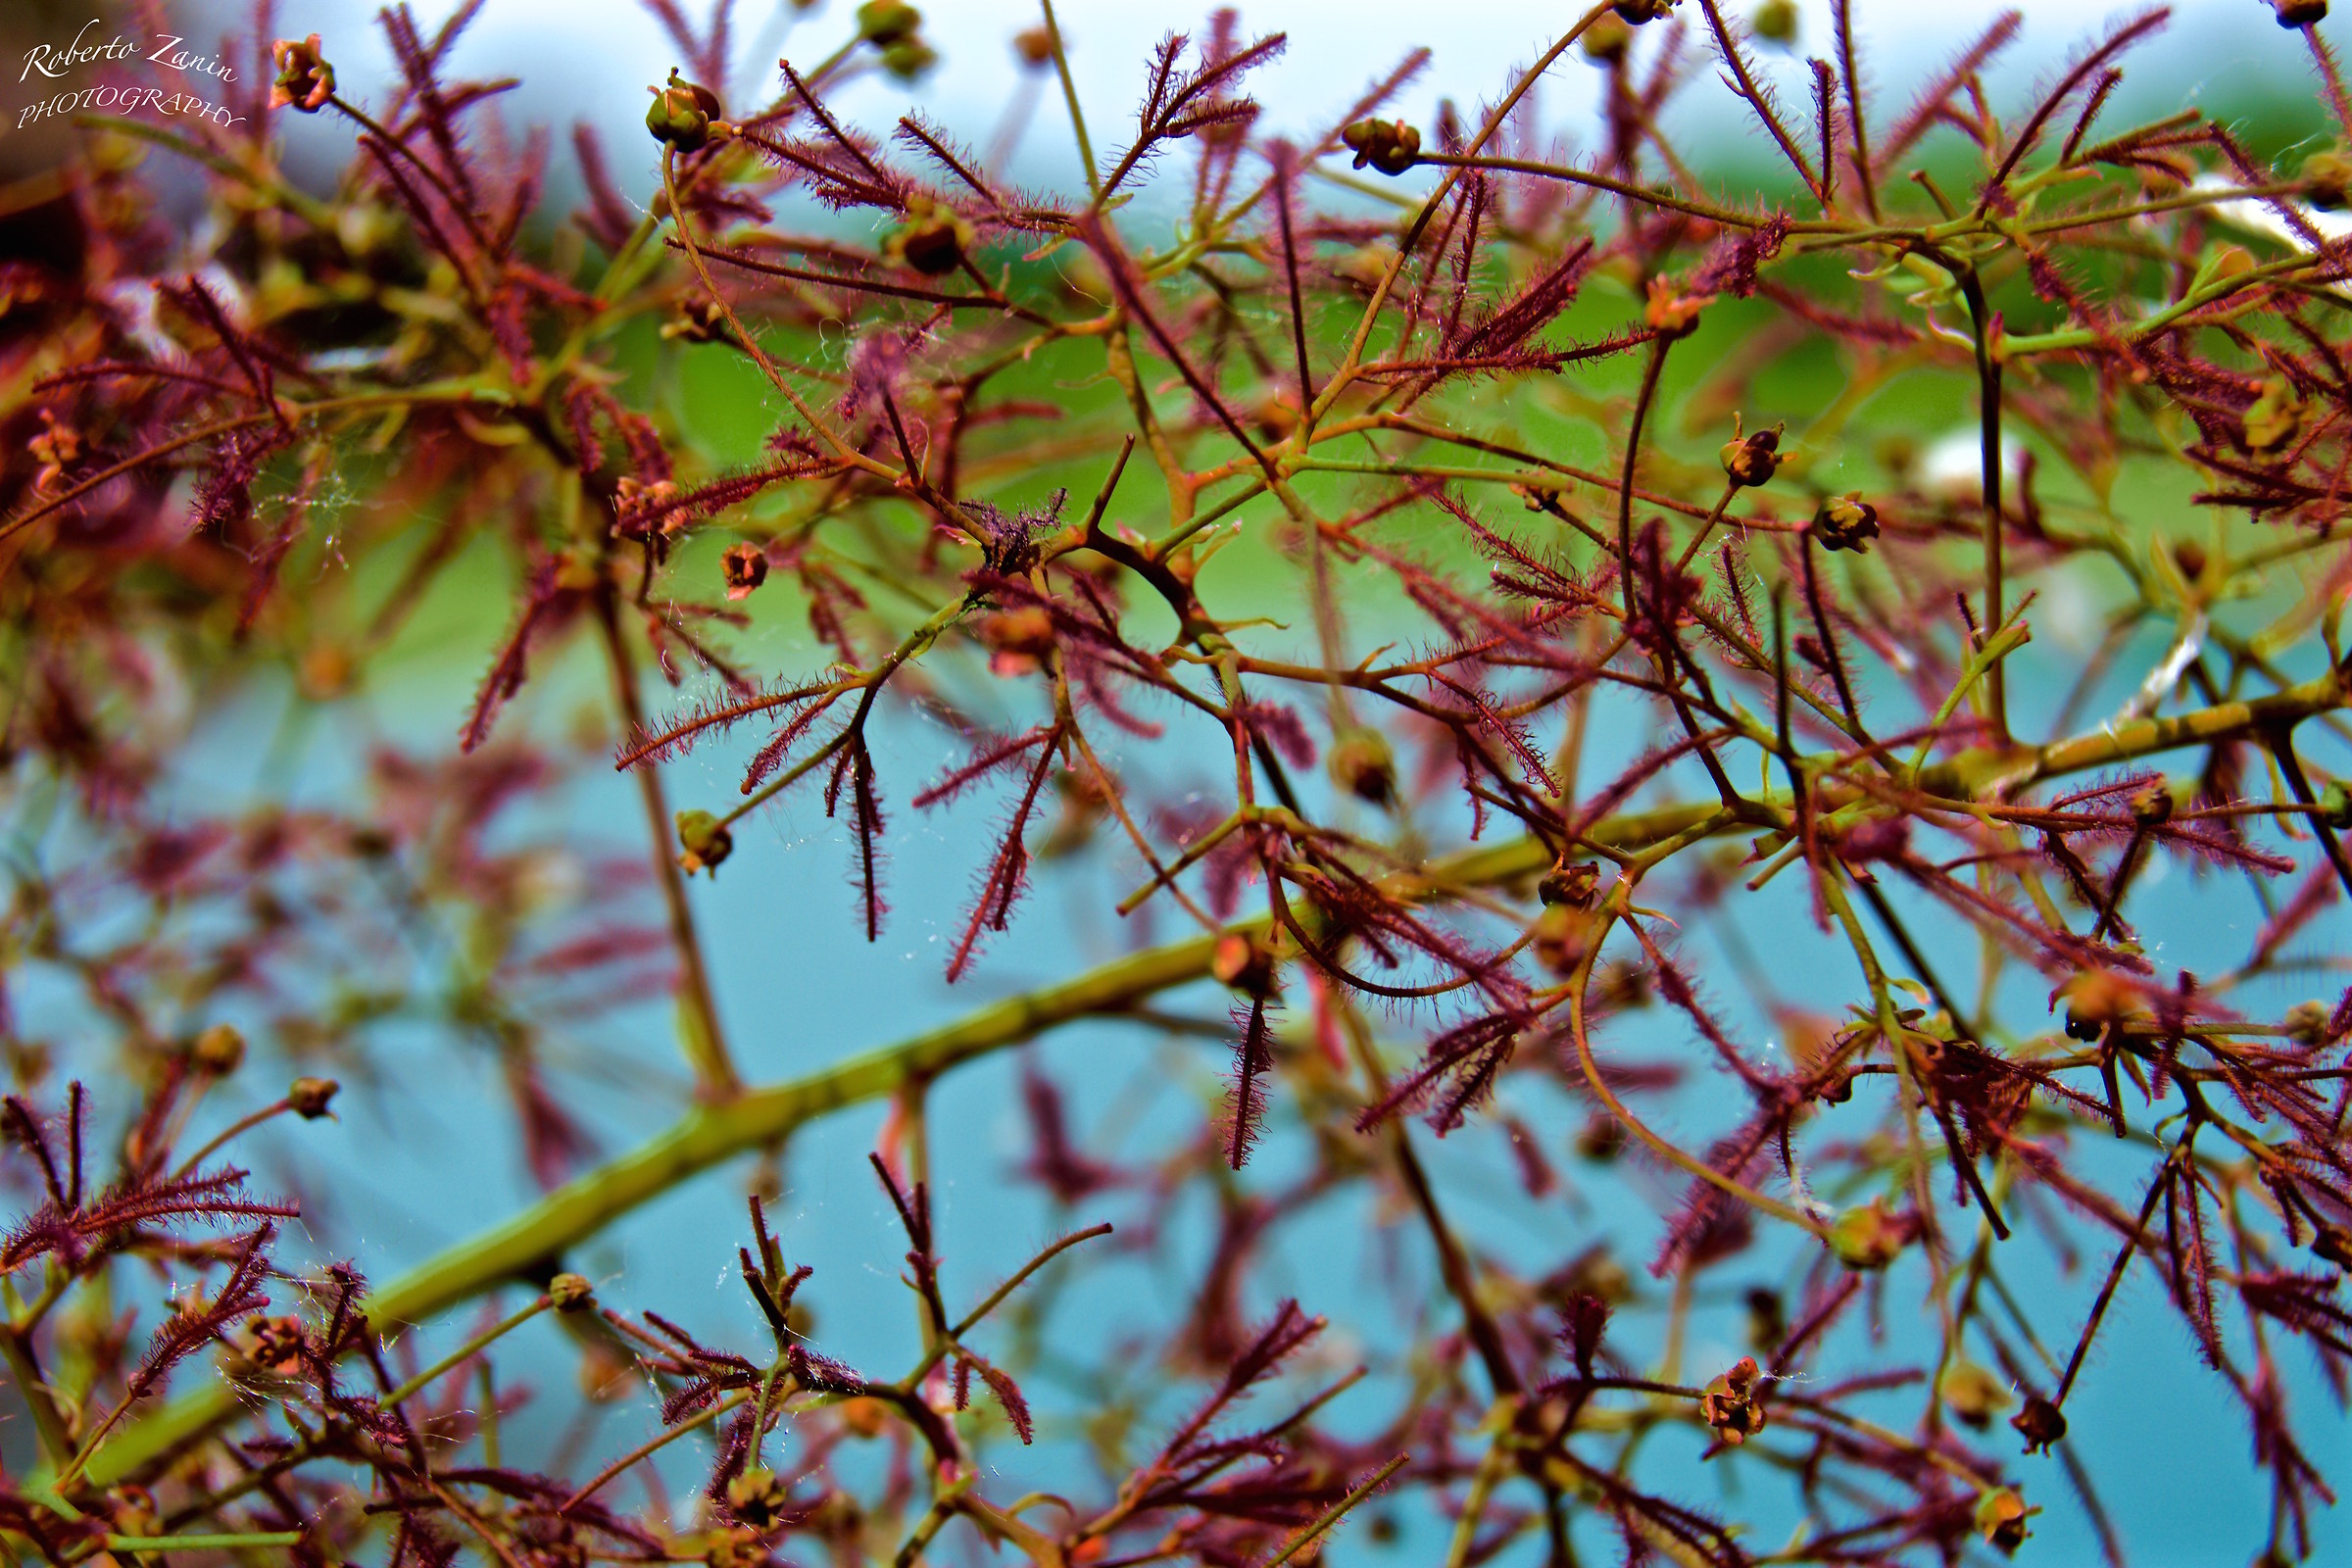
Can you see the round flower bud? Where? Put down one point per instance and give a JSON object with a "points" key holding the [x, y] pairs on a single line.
{"points": [[2300, 13], [1601, 1138], [218, 1051], [2335, 806], [1846, 523], [1607, 41], [1868, 1238], [1775, 21], [2040, 1424], [1637, 11], [685, 114], [933, 240], [1751, 461], [1973, 1393], [1359, 764], [2095, 999], [738, 1547], [909, 59], [1387, 145], [2306, 1023], [305, 81], [570, 1292], [2001, 1516], [1571, 885], [705, 841], [1033, 47], [883, 23], [1244, 963], [757, 1498], [2276, 416], [2152, 805], [309, 1097]]}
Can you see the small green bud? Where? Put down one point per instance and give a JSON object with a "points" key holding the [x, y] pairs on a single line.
{"points": [[1359, 764], [685, 114], [1868, 1238], [570, 1292], [218, 1051], [883, 23], [704, 840], [1775, 20]]}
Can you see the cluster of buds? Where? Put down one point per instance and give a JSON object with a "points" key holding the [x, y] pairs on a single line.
{"points": [[570, 1292], [56, 446], [1387, 145], [932, 241], [685, 114], [704, 841], [746, 568], [305, 81], [1728, 1403], [1751, 461], [895, 28], [1846, 523]]}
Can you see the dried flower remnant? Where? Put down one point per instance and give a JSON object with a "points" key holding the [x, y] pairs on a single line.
{"points": [[305, 81], [1728, 1405], [745, 568]]}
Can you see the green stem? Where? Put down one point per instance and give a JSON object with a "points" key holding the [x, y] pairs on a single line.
{"points": [[264, 1537]]}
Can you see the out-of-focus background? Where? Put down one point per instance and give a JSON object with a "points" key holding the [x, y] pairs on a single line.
{"points": [[797, 986]]}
